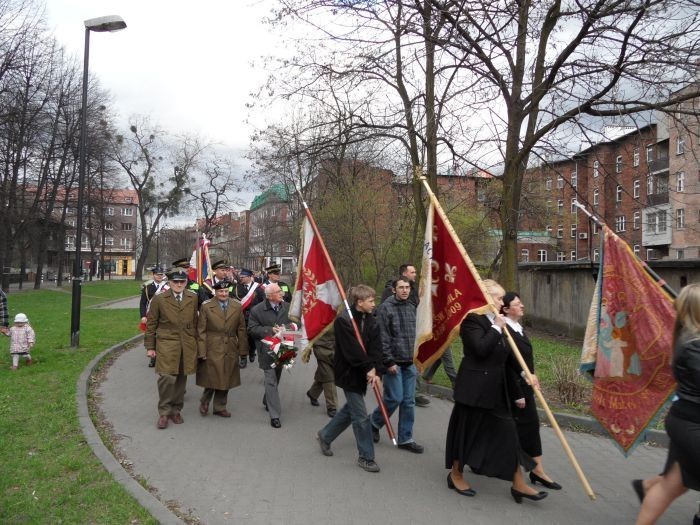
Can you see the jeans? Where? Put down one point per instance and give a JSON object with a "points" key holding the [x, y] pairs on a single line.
{"points": [[355, 412], [399, 391]]}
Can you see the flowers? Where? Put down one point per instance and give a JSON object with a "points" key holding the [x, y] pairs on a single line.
{"points": [[280, 347]]}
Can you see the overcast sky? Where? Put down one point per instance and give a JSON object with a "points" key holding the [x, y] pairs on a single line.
{"points": [[186, 64]]}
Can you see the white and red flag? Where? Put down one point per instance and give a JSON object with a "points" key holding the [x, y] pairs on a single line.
{"points": [[449, 290], [316, 296]]}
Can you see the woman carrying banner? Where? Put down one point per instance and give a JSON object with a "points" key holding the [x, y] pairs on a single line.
{"points": [[521, 394], [682, 470], [482, 433]]}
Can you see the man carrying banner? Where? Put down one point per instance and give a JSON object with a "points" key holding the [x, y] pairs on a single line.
{"points": [[396, 317], [248, 293]]}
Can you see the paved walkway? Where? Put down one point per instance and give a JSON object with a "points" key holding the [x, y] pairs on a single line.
{"points": [[241, 470]]}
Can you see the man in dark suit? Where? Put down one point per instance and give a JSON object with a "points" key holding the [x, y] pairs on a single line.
{"points": [[267, 319], [248, 293]]}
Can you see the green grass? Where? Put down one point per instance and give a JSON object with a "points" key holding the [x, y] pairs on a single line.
{"points": [[48, 473]]}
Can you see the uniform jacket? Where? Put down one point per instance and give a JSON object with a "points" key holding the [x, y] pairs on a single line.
{"points": [[481, 376], [351, 362], [222, 339], [324, 351], [260, 322], [147, 294], [241, 290], [171, 330]]}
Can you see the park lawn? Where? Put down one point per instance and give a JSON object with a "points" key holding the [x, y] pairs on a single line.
{"points": [[48, 473]]}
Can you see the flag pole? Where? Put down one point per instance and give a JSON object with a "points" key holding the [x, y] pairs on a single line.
{"points": [[511, 342], [341, 290], [661, 282]]}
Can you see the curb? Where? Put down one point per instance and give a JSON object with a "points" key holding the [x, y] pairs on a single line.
{"points": [[571, 422], [108, 303], [159, 511]]}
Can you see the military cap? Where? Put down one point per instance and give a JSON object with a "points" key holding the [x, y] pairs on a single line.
{"points": [[245, 272], [177, 274], [182, 263], [221, 285], [274, 268], [158, 269], [219, 265]]}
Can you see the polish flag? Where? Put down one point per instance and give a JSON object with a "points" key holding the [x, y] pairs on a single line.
{"points": [[316, 296]]}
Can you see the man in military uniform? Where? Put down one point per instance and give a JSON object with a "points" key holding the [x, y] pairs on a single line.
{"points": [[184, 264], [171, 337], [149, 290], [248, 293], [221, 341], [273, 277]]}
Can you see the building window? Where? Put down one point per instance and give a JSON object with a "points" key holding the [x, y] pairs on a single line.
{"points": [[656, 222], [273, 212], [680, 254], [109, 241], [127, 226], [636, 185], [70, 242], [636, 250], [596, 254], [650, 153], [560, 257], [650, 185], [635, 157], [290, 248], [618, 193], [560, 182], [573, 230], [109, 226], [680, 219], [125, 243], [620, 223], [542, 255], [680, 182], [596, 168], [109, 211], [574, 178], [618, 164], [573, 255], [548, 183], [650, 254], [680, 145], [573, 205], [560, 232], [594, 228], [560, 206], [127, 212], [84, 245], [661, 221], [636, 219], [596, 194], [524, 255]]}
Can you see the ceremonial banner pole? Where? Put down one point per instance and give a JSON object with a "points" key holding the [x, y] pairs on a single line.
{"points": [[511, 342], [341, 290]]}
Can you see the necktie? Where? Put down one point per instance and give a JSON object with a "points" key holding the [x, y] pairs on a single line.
{"points": [[275, 308], [179, 298]]}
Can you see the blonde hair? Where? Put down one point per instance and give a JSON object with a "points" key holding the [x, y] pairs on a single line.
{"points": [[688, 312], [360, 292], [492, 286]]}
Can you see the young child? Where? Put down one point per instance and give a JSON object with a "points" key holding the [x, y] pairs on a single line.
{"points": [[22, 339]]}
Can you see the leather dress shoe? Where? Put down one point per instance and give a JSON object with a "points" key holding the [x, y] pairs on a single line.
{"points": [[331, 412], [275, 423], [412, 446], [312, 399], [177, 419], [466, 492], [518, 496], [222, 413], [243, 362], [162, 422], [534, 478], [204, 408]]}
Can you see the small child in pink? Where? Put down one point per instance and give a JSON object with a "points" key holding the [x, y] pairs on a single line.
{"points": [[22, 339]]}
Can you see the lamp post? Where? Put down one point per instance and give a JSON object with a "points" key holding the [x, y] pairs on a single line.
{"points": [[102, 24]]}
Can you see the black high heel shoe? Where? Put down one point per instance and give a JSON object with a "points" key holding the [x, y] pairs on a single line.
{"points": [[518, 496], [534, 478], [465, 492]]}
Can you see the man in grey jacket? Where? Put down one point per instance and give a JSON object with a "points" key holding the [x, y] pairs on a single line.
{"points": [[397, 325]]}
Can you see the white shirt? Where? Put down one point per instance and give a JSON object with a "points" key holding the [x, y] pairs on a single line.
{"points": [[492, 318], [515, 325]]}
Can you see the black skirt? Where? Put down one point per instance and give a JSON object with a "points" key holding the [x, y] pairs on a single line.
{"points": [[528, 423], [486, 441], [683, 428]]}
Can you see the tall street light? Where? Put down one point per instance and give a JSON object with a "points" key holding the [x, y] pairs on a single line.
{"points": [[99, 25]]}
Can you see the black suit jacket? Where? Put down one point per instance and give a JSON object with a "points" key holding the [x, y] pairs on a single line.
{"points": [[481, 376], [518, 387]]}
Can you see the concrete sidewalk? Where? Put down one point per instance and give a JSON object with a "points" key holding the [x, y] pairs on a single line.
{"points": [[241, 470]]}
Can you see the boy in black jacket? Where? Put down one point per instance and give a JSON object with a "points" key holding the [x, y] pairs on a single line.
{"points": [[354, 370]]}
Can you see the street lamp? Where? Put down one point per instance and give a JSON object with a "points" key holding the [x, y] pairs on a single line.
{"points": [[102, 24]]}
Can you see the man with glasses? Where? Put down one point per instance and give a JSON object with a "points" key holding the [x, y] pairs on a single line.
{"points": [[171, 337]]}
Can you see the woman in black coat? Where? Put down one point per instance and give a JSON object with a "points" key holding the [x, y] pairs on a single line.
{"points": [[521, 393], [482, 433], [682, 471]]}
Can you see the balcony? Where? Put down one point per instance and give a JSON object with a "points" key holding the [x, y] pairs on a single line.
{"points": [[658, 165], [657, 226], [657, 199]]}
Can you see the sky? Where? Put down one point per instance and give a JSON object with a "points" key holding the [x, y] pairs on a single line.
{"points": [[190, 66]]}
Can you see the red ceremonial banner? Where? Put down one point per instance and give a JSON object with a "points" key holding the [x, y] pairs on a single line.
{"points": [[448, 292], [629, 345]]}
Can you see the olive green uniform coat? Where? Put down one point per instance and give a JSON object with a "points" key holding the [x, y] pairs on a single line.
{"points": [[222, 339]]}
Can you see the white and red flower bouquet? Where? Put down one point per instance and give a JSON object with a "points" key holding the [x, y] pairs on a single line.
{"points": [[281, 348]]}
